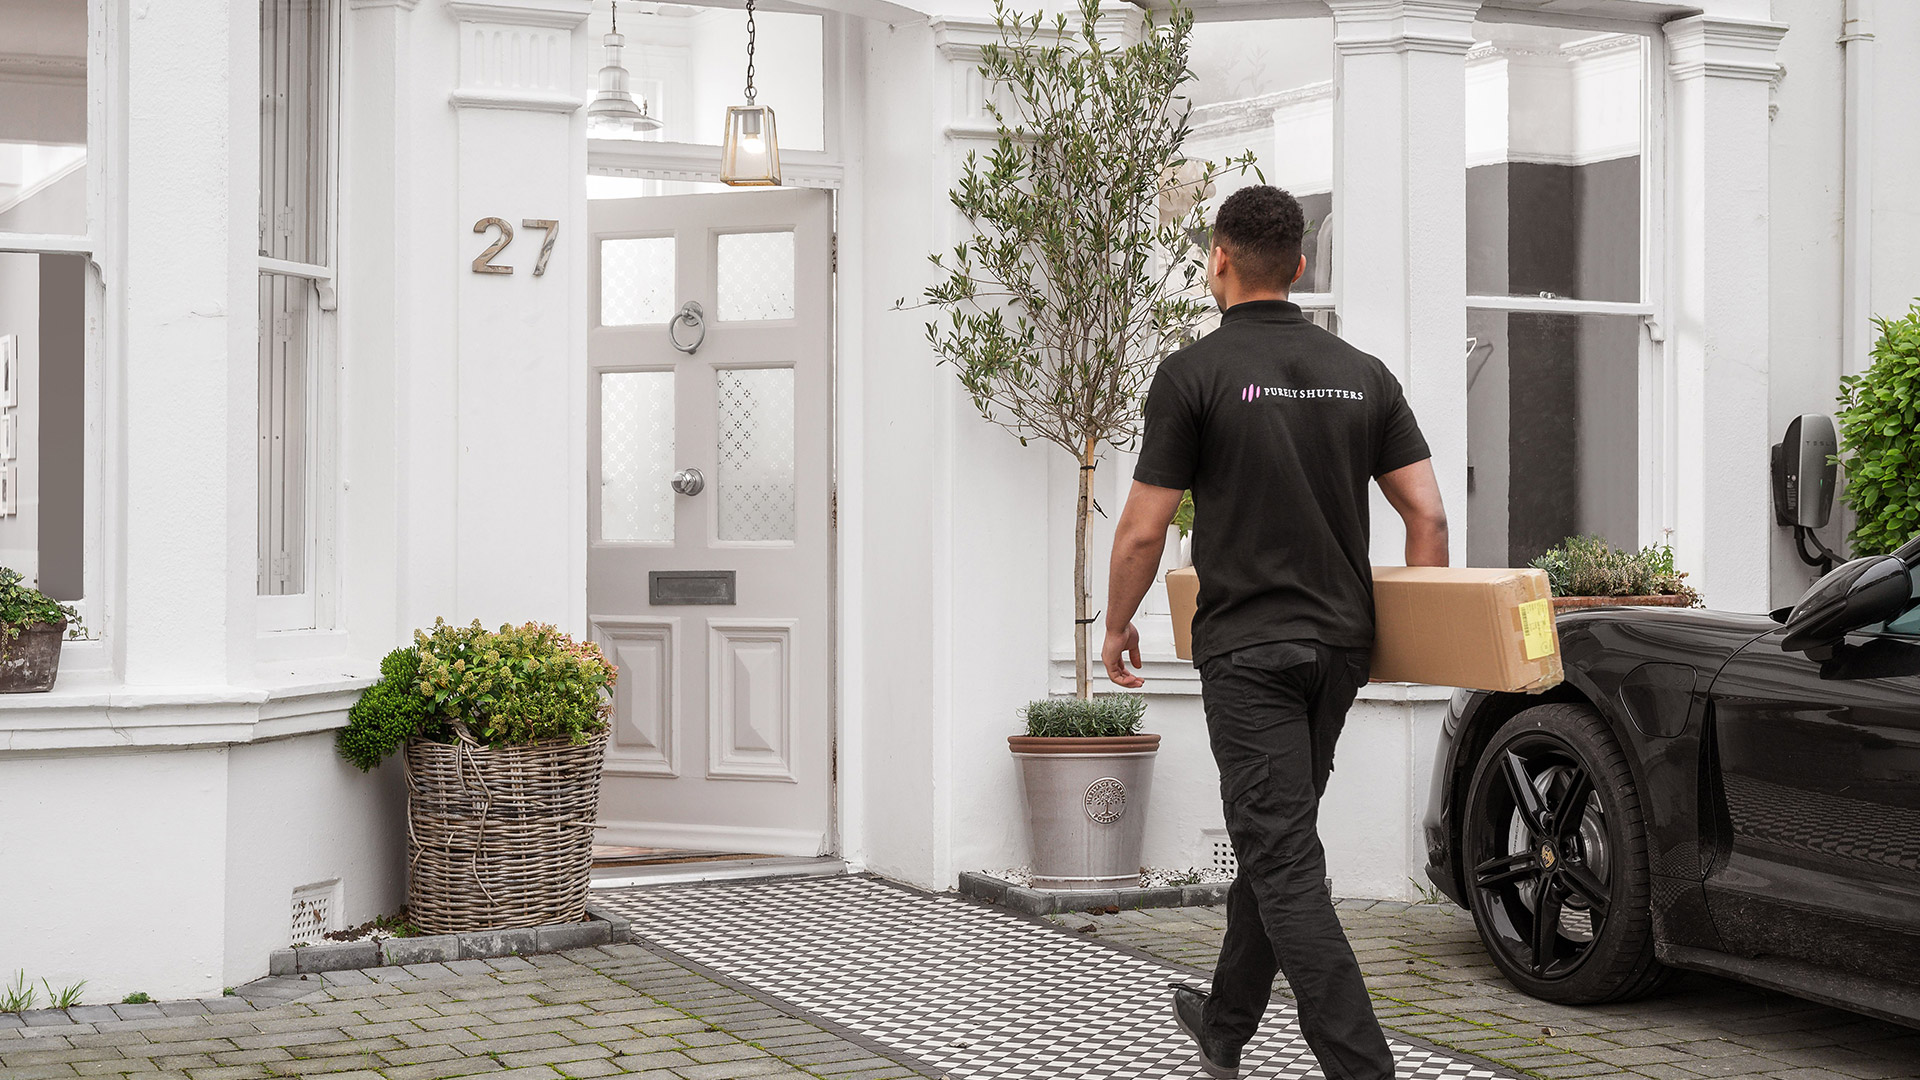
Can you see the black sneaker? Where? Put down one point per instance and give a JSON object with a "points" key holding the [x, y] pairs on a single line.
{"points": [[1189, 1012]]}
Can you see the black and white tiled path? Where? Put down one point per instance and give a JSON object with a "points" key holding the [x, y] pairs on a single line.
{"points": [[971, 992]]}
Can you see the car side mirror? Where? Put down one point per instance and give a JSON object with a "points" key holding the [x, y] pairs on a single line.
{"points": [[1856, 594]]}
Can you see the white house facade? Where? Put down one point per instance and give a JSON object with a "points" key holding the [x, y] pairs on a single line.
{"points": [[331, 317]]}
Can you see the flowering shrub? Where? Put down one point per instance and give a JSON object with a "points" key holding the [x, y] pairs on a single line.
{"points": [[519, 684], [1879, 423]]}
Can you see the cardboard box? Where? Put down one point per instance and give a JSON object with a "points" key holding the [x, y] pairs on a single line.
{"points": [[1486, 629]]}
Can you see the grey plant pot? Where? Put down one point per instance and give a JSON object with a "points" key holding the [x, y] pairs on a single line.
{"points": [[1086, 808]]}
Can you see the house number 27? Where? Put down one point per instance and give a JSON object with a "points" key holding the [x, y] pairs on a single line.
{"points": [[483, 263]]}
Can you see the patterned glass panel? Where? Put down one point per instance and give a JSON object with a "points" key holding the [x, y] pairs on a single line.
{"points": [[636, 455], [756, 276], [636, 281], [755, 482]]}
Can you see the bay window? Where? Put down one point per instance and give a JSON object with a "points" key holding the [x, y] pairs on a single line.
{"points": [[298, 117]]}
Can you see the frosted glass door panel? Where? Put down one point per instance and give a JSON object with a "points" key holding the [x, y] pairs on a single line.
{"points": [[636, 281], [755, 276], [755, 482], [636, 455]]}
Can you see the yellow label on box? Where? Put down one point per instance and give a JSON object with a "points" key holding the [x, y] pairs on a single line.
{"points": [[1536, 628]]}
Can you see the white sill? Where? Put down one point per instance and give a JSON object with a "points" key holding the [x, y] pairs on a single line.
{"points": [[93, 713]]}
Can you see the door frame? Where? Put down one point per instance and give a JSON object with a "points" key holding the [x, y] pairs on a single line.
{"points": [[671, 161]]}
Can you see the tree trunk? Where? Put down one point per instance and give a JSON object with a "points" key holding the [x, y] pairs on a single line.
{"points": [[1082, 599]]}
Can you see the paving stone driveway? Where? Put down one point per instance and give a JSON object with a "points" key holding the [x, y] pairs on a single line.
{"points": [[1431, 977], [621, 1009], [615, 1009]]}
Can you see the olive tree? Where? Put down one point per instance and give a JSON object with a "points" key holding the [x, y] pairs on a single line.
{"points": [[1085, 263]]}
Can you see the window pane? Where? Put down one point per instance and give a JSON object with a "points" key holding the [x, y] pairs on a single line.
{"points": [[636, 281], [636, 455], [1266, 86], [689, 63], [43, 116], [296, 132], [285, 341], [43, 301], [755, 275], [755, 482], [1554, 126], [1552, 432]]}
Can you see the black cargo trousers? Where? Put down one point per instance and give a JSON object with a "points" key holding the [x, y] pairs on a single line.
{"points": [[1274, 712]]}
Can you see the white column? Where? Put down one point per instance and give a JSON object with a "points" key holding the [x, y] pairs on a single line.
{"points": [[519, 395], [378, 304], [187, 497], [1721, 72], [1399, 203]]}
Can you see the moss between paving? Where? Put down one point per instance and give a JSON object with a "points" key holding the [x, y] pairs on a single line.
{"points": [[613, 1009], [1431, 977]]}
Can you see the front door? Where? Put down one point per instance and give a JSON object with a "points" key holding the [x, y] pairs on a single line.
{"points": [[708, 515]]}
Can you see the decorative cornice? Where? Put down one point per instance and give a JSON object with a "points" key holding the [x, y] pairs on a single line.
{"points": [[1253, 113], [1365, 27], [1720, 48], [557, 14], [518, 54], [402, 5], [961, 37]]}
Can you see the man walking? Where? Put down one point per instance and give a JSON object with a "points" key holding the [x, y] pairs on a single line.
{"points": [[1277, 426]]}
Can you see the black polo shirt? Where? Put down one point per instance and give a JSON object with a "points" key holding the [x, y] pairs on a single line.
{"points": [[1277, 426]]}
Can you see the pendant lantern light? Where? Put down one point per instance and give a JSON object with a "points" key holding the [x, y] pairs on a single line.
{"points": [[750, 155], [613, 112]]}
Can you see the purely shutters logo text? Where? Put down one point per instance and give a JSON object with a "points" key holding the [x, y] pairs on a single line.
{"points": [[1254, 392]]}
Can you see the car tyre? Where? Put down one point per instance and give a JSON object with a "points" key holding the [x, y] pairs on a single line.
{"points": [[1554, 859]]}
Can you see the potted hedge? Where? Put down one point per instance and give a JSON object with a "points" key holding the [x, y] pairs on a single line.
{"points": [[502, 733], [1587, 571], [1080, 273], [32, 625], [1084, 766]]}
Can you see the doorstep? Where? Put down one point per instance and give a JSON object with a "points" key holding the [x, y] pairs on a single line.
{"points": [[994, 890], [727, 869], [599, 928]]}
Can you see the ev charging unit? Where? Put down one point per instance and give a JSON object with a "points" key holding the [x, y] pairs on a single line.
{"points": [[1803, 478]]}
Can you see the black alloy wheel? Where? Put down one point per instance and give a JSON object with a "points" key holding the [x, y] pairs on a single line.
{"points": [[1554, 851]]}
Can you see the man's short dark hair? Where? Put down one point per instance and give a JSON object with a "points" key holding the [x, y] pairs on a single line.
{"points": [[1261, 227]]}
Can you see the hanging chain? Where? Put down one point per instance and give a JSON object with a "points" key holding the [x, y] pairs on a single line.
{"points": [[616, 15], [750, 52]]}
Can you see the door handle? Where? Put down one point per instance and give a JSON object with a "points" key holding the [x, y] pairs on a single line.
{"points": [[689, 482], [691, 314]]}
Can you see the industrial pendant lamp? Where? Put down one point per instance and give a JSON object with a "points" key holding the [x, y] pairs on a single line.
{"points": [[613, 112], [750, 156]]}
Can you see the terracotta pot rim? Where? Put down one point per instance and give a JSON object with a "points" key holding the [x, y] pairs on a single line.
{"points": [[1080, 744], [1650, 600]]}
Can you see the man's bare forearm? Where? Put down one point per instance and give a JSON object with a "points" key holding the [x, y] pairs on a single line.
{"points": [[1130, 574], [1427, 542]]}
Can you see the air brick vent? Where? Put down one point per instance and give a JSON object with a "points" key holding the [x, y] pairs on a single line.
{"points": [[1219, 852], [316, 910]]}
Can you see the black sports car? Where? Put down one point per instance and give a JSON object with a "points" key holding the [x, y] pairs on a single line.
{"points": [[1738, 794]]}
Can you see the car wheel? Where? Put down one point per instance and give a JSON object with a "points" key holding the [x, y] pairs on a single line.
{"points": [[1554, 853]]}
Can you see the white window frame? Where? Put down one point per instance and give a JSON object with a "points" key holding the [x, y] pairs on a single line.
{"points": [[92, 653], [313, 608], [1658, 431]]}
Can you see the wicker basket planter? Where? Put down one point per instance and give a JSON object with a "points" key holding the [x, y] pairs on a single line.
{"points": [[500, 838]]}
